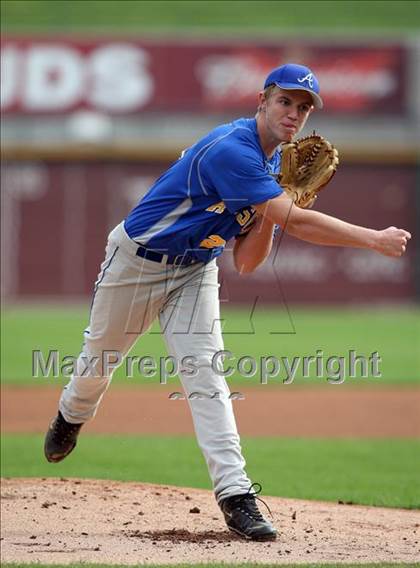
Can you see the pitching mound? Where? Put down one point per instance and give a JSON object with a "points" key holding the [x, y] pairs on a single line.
{"points": [[72, 520]]}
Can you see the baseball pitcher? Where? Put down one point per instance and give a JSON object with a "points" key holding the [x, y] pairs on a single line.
{"points": [[241, 180]]}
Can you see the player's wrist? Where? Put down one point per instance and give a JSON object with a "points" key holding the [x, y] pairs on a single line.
{"points": [[375, 240]]}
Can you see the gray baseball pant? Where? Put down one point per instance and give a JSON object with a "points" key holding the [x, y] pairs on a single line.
{"points": [[130, 294]]}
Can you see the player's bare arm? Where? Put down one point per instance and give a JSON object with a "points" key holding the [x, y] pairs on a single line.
{"points": [[253, 248], [318, 228]]}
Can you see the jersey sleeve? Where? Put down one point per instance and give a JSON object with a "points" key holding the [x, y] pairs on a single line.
{"points": [[237, 174]]}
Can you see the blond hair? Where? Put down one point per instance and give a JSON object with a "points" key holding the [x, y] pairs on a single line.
{"points": [[268, 92]]}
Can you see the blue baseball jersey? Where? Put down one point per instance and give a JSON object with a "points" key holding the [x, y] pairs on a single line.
{"points": [[205, 198]]}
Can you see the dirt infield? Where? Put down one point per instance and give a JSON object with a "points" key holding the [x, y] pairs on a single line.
{"points": [[331, 412], [70, 521]]}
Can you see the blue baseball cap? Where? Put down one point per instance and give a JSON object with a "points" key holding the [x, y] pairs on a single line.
{"points": [[293, 76]]}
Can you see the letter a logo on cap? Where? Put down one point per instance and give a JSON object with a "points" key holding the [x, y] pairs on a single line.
{"points": [[310, 78], [293, 76]]}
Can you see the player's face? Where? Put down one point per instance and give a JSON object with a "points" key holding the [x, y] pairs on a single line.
{"points": [[285, 112]]}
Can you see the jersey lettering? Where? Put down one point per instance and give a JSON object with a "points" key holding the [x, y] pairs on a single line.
{"points": [[243, 217], [217, 208], [213, 241]]}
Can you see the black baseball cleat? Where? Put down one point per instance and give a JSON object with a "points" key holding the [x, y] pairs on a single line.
{"points": [[61, 439], [243, 517]]}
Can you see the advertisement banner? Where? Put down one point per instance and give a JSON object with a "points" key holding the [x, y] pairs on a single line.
{"points": [[125, 76]]}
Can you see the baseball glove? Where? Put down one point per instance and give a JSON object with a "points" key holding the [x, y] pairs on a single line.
{"points": [[307, 165]]}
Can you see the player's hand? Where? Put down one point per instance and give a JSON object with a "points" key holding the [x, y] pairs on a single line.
{"points": [[392, 241]]}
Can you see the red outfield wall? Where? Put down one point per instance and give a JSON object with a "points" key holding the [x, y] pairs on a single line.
{"points": [[56, 215]]}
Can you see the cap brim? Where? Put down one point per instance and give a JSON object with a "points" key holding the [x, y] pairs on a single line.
{"points": [[318, 103]]}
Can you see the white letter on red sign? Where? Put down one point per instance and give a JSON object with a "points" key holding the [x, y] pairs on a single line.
{"points": [[9, 76], [55, 78], [120, 79]]}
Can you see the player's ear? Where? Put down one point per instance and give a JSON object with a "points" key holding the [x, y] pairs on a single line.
{"points": [[262, 101]]}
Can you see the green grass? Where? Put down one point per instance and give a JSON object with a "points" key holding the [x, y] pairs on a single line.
{"points": [[370, 472], [392, 332], [218, 17]]}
